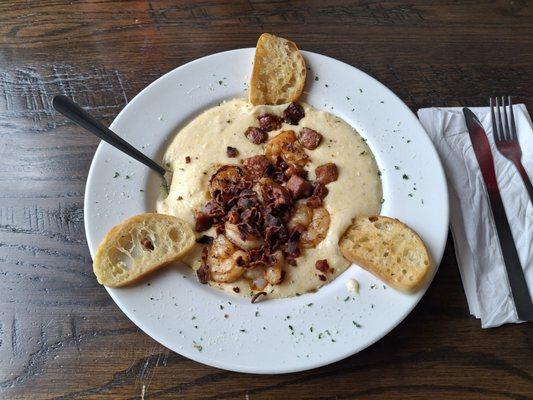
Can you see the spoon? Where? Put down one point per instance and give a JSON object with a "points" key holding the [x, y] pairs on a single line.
{"points": [[79, 116]]}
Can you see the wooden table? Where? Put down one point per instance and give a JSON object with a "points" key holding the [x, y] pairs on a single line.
{"points": [[61, 335]]}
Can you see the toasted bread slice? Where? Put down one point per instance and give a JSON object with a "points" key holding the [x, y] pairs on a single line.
{"points": [[389, 249], [279, 71], [139, 246]]}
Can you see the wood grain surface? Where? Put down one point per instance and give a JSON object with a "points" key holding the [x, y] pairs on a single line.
{"points": [[61, 335]]}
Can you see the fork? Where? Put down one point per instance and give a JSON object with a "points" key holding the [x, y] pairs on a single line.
{"points": [[506, 139]]}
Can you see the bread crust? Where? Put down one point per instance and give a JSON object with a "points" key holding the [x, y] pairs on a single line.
{"points": [[394, 276], [278, 73], [158, 228]]}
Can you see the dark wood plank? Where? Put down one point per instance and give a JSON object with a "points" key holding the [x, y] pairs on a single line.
{"points": [[61, 336]]}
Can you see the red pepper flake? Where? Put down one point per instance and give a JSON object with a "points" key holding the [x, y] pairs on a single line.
{"points": [[236, 289], [232, 152], [187, 160], [322, 265]]}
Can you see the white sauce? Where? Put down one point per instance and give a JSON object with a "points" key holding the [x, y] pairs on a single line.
{"points": [[356, 192]]}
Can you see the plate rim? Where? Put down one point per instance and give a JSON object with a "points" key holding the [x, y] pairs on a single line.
{"points": [[198, 357]]}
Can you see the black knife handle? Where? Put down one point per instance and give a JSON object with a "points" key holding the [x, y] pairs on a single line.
{"points": [[515, 274]]}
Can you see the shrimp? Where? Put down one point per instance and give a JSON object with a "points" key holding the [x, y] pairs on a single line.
{"points": [[286, 145], [314, 221], [274, 272], [229, 179], [225, 260], [260, 276], [233, 233]]}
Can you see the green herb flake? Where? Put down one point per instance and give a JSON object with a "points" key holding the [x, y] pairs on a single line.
{"points": [[379, 173], [382, 200], [228, 121], [317, 78], [326, 85], [396, 167], [140, 190], [193, 317], [257, 313], [347, 98], [404, 176], [347, 298], [311, 329], [310, 305], [356, 324], [320, 335], [360, 90], [220, 82], [362, 153], [221, 307], [116, 175], [409, 141], [127, 177], [243, 330], [197, 346], [410, 195]]}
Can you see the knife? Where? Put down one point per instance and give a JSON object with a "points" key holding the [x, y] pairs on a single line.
{"points": [[515, 274]]}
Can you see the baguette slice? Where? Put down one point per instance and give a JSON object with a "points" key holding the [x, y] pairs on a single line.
{"points": [[279, 71], [388, 249], [140, 245]]}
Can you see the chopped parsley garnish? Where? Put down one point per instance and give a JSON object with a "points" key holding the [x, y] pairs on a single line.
{"points": [[197, 346]]}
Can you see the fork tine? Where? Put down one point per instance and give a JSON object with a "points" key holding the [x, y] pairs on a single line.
{"points": [[513, 125], [495, 131], [500, 125], [506, 127]]}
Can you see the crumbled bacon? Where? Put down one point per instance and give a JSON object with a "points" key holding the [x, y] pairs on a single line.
{"points": [[257, 166], [293, 169], [293, 113], [232, 152], [299, 187], [203, 272], [202, 222], [320, 190], [327, 173], [269, 122], [187, 160], [236, 289], [322, 278], [256, 135], [322, 265], [314, 201], [309, 138], [275, 194], [205, 239]]}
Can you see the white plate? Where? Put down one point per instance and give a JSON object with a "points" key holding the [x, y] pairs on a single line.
{"points": [[275, 336]]}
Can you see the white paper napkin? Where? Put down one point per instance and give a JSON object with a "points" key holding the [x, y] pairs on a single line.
{"points": [[476, 241]]}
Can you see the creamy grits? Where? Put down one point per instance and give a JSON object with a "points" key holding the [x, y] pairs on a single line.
{"points": [[203, 142]]}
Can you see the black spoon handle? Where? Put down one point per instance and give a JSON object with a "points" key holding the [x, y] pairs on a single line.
{"points": [[75, 113]]}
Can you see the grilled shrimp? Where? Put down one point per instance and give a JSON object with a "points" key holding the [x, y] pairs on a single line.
{"points": [[286, 145], [315, 221], [274, 272], [261, 276], [233, 234], [229, 179], [225, 260]]}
